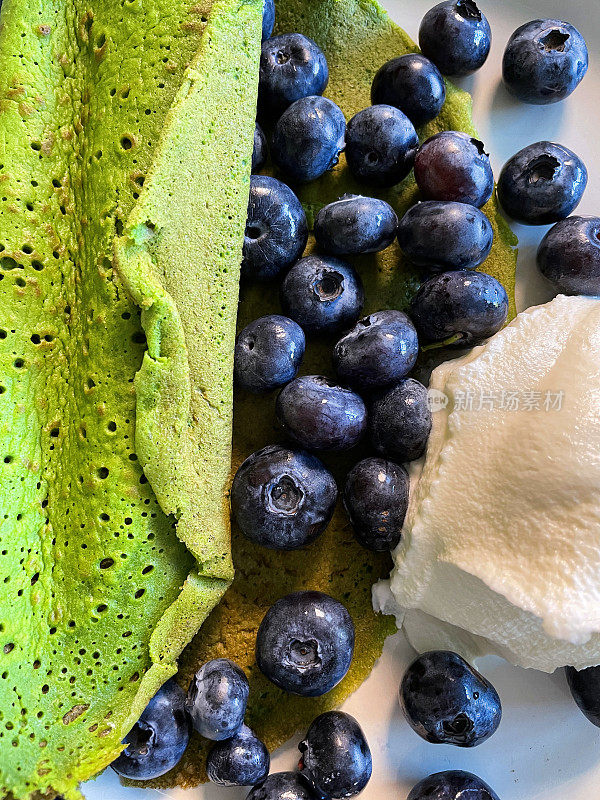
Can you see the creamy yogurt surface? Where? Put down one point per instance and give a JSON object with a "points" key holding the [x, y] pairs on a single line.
{"points": [[501, 545]]}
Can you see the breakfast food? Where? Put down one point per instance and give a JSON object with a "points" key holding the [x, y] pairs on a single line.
{"points": [[527, 590]]}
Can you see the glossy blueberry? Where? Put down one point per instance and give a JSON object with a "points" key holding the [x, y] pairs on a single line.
{"points": [[268, 20], [259, 154], [242, 760], [446, 701], [413, 84], [468, 306], [454, 166], [336, 759], [283, 786], [355, 224], [440, 235], [291, 66], [282, 499], [585, 688], [276, 229], [268, 353], [158, 740], [544, 61], [376, 499], [400, 421], [305, 643], [217, 698], [323, 294], [456, 36], [319, 415], [542, 183], [569, 255], [308, 138], [378, 351], [381, 143], [454, 784]]}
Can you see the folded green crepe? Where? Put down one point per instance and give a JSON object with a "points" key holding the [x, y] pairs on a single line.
{"points": [[129, 119], [357, 37]]}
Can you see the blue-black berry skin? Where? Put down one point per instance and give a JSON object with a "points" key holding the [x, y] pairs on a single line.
{"points": [[276, 229], [542, 183], [585, 689], [413, 84], [381, 143], [308, 139], [242, 760], [282, 499], [355, 224], [336, 758], [376, 499], [454, 166], [268, 21], [378, 351], [305, 643], [259, 154], [158, 740], [268, 353], [291, 66], [569, 255], [400, 421], [466, 306], [456, 36], [283, 786], [323, 294], [454, 784], [444, 235], [446, 701], [321, 416], [217, 698], [544, 61]]}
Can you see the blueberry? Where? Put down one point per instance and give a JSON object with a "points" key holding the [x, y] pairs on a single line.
{"points": [[158, 740], [454, 166], [268, 353], [319, 415], [454, 784], [355, 224], [282, 499], [378, 351], [381, 143], [456, 36], [291, 66], [544, 61], [376, 499], [216, 699], [305, 643], [283, 786], [268, 20], [446, 701], [585, 688], [259, 154], [322, 294], [542, 183], [400, 421], [465, 306], [242, 760], [308, 138], [276, 229], [440, 235], [336, 759], [569, 255], [413, 84]]}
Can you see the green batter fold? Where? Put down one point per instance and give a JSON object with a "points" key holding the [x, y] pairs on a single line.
{"points": [[125, 150]]}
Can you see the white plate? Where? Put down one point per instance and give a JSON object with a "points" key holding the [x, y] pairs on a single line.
{"points": [[544, 749]]}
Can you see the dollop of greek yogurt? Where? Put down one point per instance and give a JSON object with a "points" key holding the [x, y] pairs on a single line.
{"points": [[500, 550]]}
